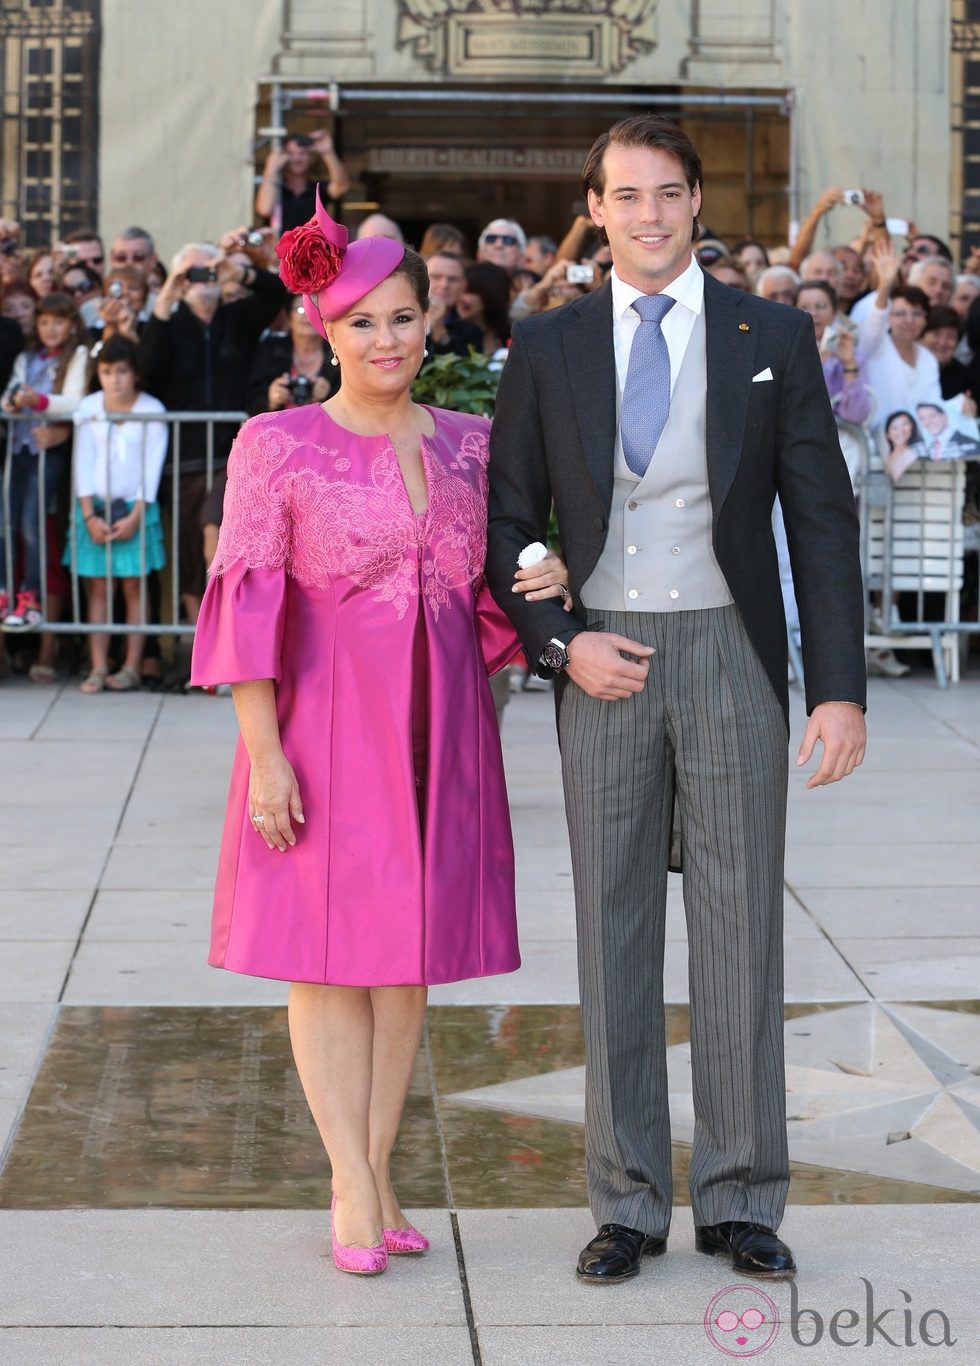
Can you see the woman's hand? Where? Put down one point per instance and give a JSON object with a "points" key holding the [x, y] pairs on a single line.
{"points": [[546, 579], [845, 351], [273, 794]]}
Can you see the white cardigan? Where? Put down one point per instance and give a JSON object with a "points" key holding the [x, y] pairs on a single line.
{"points": [[59, 405]]}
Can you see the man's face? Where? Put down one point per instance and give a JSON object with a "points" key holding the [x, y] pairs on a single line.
{"points": [[500, 246], [936, 282], [963, 295], [822, 265], [934, 420], [132, 251], [942, 342], [90, 253], [446, 279], [535, 259], [779, 289], [648, 211], [852, 277], [917, 248]]}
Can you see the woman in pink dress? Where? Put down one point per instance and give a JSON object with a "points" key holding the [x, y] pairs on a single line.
{"points": [[367, 849]]}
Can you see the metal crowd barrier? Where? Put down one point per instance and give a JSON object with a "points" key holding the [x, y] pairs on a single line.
{"points": [[912, 541], [177, 421]]}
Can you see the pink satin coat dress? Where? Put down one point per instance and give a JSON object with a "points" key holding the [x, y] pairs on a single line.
{"points": [[377, 628]]}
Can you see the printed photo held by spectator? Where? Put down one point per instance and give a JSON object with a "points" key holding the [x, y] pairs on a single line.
{"points": [[901, 443], [942, 437]]}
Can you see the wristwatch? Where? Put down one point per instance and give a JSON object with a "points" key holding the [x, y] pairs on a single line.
{"points": [[555, 655]]}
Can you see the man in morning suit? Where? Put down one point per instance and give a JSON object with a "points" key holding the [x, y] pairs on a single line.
{"points": [[662, 414]]}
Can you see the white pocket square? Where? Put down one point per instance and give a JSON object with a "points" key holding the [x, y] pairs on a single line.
{"points": [[762, 375]]}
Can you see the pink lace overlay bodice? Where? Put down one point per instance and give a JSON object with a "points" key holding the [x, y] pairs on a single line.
{"points": [[325, 512]]}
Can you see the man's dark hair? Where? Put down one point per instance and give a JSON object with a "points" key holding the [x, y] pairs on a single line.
{"points": [[942, 316], [82, 235], [936, 407], [941, 248], [642, 130]]}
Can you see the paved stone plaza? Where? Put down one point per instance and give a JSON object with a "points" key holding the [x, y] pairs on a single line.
{"points": [[163, 1195]]}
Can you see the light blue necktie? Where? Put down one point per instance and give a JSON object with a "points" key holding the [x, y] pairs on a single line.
{"points": [[646, 394]]}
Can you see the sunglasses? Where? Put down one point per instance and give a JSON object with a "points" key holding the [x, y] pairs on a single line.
{"points": [[707, 256], [77, 289], [500, 239], [136, 259]]}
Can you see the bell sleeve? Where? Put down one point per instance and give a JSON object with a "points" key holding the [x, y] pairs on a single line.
{"points": [[239, 630], [499, 641]]}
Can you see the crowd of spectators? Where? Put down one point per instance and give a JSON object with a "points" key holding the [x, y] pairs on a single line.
{"points": [[214, 331]]}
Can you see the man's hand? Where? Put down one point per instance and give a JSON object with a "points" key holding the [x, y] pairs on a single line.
{"points": [[874, 206], [840, 725], [596, 665]]}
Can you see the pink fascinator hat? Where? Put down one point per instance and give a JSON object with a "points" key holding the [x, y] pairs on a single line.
{"points": [[319, 261]]}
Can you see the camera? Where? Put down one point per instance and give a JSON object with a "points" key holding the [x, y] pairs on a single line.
{"points": [[115, 289], [254, 238], [301, 389], [854, 197], [201, 275], [579, 275]]}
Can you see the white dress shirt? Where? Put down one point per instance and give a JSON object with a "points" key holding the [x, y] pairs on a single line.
{"points": [[677, 326], [127, 468]]}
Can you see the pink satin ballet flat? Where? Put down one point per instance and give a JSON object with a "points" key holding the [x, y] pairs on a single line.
{"points": [[359, 1261], [401, 1242]]}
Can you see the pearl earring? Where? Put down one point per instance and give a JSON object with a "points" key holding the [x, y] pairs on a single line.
{"points": [[333, 358], [425, 352]]}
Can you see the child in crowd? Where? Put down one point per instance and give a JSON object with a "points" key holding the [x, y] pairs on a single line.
{"points": [[117, 473], [48, 378]]}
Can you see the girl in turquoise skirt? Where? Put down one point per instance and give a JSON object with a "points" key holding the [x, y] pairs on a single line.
{"points": [[117, 521]]}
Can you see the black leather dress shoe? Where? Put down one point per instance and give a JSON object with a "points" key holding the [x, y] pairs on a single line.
{"points": [[615, 1253], [754, 1249]]}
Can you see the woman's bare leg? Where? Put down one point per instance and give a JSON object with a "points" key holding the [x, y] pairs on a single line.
{"points": [[134, 642], [399, 1016], [332, 1033]]}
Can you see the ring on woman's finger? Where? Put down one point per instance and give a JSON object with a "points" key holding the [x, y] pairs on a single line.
{"points": [[563, 590], [258, 820]]}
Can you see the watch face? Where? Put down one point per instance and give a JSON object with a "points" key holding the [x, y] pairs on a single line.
{"points": [[554, 656]]}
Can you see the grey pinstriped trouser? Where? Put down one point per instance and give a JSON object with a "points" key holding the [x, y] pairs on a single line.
{"points": [[709, 719]]}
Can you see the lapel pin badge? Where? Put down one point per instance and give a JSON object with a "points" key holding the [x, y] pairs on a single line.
{"points": [[743, 327]]}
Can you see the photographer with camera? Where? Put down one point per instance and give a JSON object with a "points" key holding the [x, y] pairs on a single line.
{"points": [[561, 282], [291, 369], [195, 354], [286, 197]]}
